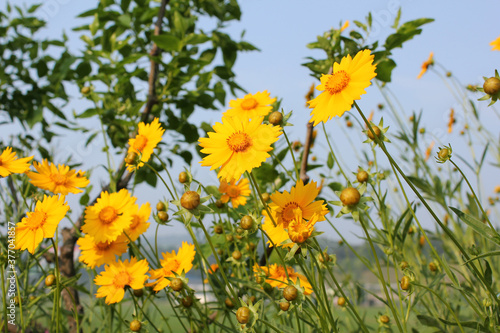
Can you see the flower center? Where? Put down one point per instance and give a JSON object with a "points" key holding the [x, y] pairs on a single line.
{"points": [[104, 246], [37, 219], [135, 222], [249, 103], [140, 142], [171, 266], [289, 212], [337, 82], [233, 191], [122, 279], [280, 273], [107, 215], [59, 179], [239, 142]]}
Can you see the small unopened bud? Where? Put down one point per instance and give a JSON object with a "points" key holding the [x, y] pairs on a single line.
{"points": [[341, 301], [135, 325], [284, 306], [243, 315], [50, 280], [246, 222], [131, 158], [190, 200], [290, 293], [183, 177], [350, 196], [492, 86], [176, 284], [275, 118], [405, 283], [376, 130], [362, 176]]}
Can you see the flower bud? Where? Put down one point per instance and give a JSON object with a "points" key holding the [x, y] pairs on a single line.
{"points": [[492, 86], [284, 306], [50, 279], [362, 176], [384, 319], [187, 301], [229, 303], [246, 222], [163, 216], [236, 255], [376, 130], [243, 315], [350, 196], [341, 301], [190, 200], [218, 229], [275, 118], [135, 325], [266, 197], [176, 284], [290, 293], [131, 158], [138, 292], [85, 90], [219, 204], [160, 206], [405, 283], [183, 177]]}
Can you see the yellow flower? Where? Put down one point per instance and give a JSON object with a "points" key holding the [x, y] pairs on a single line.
{"points": [[495, 45], [235, 192], [41, 223], [213, 268], [139, 221], [276, 276], [286, 205], [58, 179], [148, 136], [345, 26], [238, 145], [171, 262], [347, 83], [9, 163], [99, 253], [250, 106], [426, 64], [299, 230], [119, 274], [109, 216]]}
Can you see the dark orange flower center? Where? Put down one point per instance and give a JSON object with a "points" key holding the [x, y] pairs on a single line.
{"points": [[108, 214], [59, 179], [239, 142], [337, 82], [249, 103], [37, 220], [135, 222], [140, 142], [233, 191], [289, 212], [103, 246], [122, 279]]}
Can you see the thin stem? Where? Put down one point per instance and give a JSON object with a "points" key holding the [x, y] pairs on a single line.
{"points": [[297, 175]]}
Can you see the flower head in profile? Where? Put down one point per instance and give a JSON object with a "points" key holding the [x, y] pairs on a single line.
{"points": [[99, 253], [236, 192], [109, 216], [238, 145], [9, 163], [495, 45], [139, 224], [118, 275], [426, 64], [251, 106], [301, 199], [148, 136], [276, 276], [40, 223], [172, 264], [299, 230], [347, 83], [58, 179]]}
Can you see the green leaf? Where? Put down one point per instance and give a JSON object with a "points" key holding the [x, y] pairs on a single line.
{"points": [[384, 69], [193, 39], [329, 161], [488, 275], [335, 186], [481, 228], [167, 42], [428, 321], [220, 93], [125, 20], [94, 25]]}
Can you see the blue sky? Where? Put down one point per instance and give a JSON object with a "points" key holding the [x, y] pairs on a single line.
{"points": [[459, 38]]}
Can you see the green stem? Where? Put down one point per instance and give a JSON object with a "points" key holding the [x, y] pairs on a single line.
{"points": [[58, 286]]}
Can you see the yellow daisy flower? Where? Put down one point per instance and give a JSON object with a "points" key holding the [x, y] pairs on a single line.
{"points": [[9, 163], [285, 206], [171, 262], [109, 216], [251, 106], [148, 136], [119, 274], [139, 221], [41, 223], [237, 193], [347, 83], [276, 276], [58, 179], [426, 64], [299, 230], [99, 253], [495, 45], [238, 145]]}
